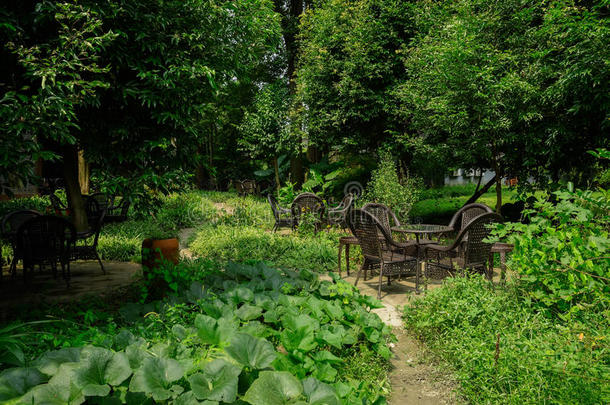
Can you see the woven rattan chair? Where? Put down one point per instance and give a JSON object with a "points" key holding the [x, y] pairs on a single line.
{"points": [[46, 240], [307, 204], [389, 257], [117, 211], [9, 227], [466, 214], [81, 250], [58, 206], [282, 216], [383, 213], [338, 215], [468, 251]]}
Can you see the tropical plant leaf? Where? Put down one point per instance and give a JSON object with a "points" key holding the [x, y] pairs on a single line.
{"points": [[15, 382], [99, 369], [273, 388], [155, 376], [250, 351], [218, 382], [248, 312], [50, 362], [215, 332], [318, 393]]}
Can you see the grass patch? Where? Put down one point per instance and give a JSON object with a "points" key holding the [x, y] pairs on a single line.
{"points": [[539, 359], [248, 243]]}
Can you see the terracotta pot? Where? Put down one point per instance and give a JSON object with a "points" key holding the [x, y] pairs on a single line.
{"points": [[153, 250]]}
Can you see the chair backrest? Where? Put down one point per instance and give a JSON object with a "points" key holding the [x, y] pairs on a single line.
{"points": [[103, 201], [57, 204], [45, 237], [13, 220], [274, 206], [383, 213], [347, 201], [466, 214], [365, 227], [476, 251], [307, 203]]}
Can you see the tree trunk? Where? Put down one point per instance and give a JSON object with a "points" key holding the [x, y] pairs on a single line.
{"points": [[481, 191], [276, 170], [498, 194], [76, 203], [83, 173], [296, 170]]}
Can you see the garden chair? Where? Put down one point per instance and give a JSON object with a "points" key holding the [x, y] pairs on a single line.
{"points": [[9, 228], [383, 213], [468, 251], [85, 251], [466, 214], [58, 206], [102, 200], [337, 215], [117, 212], [282, 216], [383, 254], [307, 204], [46, 240]]}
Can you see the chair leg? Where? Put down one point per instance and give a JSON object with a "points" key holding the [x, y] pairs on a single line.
{"points": [[100, 262], [380, 282], [347, 259], [358, 275]]}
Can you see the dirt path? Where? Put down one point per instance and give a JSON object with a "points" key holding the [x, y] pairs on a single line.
{"points": [[413, 378]]}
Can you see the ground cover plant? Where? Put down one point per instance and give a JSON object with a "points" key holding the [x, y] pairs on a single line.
{"points": [[504, 351], [248, 333]]}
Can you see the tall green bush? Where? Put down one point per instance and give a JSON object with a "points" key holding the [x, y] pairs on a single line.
{"points": [[561, 257], [387, 187]]}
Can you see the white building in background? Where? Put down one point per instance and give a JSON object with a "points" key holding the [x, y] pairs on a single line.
{"points": [[462, 176]]}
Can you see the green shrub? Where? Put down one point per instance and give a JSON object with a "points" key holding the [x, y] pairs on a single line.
{"points": [[245, 243], [387, 188], [123, 241], [250, 334], [504, 352], [38, 203], [561, 256]]}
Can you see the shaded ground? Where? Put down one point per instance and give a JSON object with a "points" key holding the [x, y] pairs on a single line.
{"points": [[87, 279]]}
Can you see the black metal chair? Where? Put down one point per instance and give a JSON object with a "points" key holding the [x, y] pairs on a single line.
{"points": [[102, 200], [85, 251], [391, 258], [46, 240], [57, 204], [282, 216], [468, 251], [338, 215], [9, 227], [307, 204]]}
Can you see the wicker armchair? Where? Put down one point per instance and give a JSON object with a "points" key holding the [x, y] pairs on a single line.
{"points": [[384, 254], [57, 204], [467, 251], [85, 251], [307, 204], [383, 213], [466, 214], [9, 228], [46, 240], [117, 212], [338, 215], [282, 216], [245, 187]]}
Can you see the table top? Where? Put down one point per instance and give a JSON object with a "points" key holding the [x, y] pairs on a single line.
{"points": [[422, 228]]}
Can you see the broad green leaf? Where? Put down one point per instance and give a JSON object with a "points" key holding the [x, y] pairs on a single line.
{"points": [[248, 312], [49, 362], [325, 372], [100, 368], [60, 390], [273, 388], [218, 382], [215, 332], [188, 398], [251, 352], [326, 356], [155, 376], [15, 382], [318, 393]]}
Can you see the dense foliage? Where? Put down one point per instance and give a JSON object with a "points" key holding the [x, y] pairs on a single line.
{"points": [[255, 333], [561, 255], [503, 351]]}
